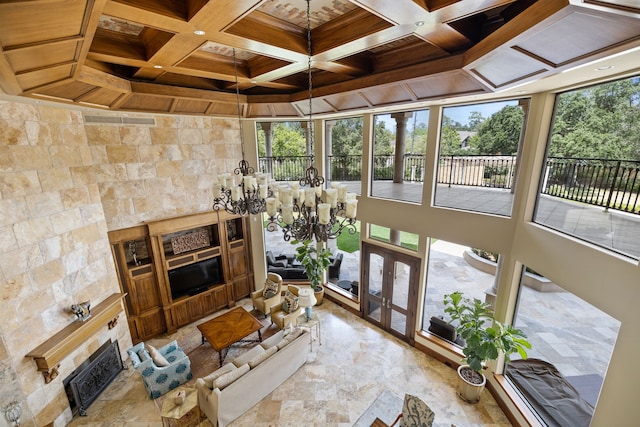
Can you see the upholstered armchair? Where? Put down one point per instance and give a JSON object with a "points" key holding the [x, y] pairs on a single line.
{"points": [[269, 296], [159, 379], [283, 318], [415, 413]]}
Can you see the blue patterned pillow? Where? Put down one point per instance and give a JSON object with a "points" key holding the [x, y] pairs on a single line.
{"points": [[270, 289], [290, 303]]}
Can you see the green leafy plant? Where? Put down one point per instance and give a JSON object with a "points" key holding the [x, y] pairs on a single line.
{"points": [[485, 338], [314, 261]]}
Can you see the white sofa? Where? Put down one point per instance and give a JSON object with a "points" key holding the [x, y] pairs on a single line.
{"points": [[235, 387]]}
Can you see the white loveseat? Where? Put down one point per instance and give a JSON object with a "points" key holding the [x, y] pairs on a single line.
{"points": [[234, 388]]}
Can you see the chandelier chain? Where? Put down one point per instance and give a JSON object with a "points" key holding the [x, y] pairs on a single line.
{"points": [[310, 80]]}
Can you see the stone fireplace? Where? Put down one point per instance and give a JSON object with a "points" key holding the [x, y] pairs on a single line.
{"points": [[85, 384]]}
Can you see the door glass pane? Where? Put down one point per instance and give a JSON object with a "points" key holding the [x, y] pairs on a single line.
{"points": [[376, 263], [398, 322], [401, 285]]}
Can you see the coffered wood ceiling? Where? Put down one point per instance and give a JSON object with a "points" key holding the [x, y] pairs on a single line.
{"points": [[143, 55]]}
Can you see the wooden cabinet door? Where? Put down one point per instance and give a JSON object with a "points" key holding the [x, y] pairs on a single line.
{"points": [[188, 311], [241, 287], [238, 262], [150, 324], [220, 297], [143, 291]]}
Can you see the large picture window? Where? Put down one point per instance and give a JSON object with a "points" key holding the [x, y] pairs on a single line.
{"points": [[479, 156], [399, 145], [590, 186]]}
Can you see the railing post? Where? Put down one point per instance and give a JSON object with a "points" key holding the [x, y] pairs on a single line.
{"points": [[613, 185], [450, 170]]}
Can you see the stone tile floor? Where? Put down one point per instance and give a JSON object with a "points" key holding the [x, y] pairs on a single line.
{"points": [[341, 378]]}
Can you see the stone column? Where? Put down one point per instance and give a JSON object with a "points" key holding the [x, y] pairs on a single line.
{"points": [[394, 237], [398, 166], [328, 146], [267, 127]]}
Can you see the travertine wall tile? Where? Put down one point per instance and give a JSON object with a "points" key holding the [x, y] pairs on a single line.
{"points": [[63, 184], [66, 156], [13, 133], [135, 135], [103, 135], [122, 154], [55, 179], [19, 183], [32, 231], [38, 133]]}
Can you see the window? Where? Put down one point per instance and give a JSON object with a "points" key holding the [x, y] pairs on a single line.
{"points": [[478, 156], [566, 332], [398, 238], [452, 267], [590, 186], [399, 145], [344, 153]]}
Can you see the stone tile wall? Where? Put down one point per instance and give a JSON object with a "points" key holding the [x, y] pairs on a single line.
{"points": [[63, 184]]}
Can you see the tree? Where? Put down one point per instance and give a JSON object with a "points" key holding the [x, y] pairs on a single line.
{"points": [[288, 140], [598, 122], [384, 139], [500, 133], [450, 142], [346, 137]]}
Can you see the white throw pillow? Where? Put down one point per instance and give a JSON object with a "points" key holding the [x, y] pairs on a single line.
{"points": [[262, 356], [224, 380], [209, 379], [272, 340], [245, 357], [158, 359]]}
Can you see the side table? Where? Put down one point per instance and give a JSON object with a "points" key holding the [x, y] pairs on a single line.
{"points": [[303, 322], [185, 415]]}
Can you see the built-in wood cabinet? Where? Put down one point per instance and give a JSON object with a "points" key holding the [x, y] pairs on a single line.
{"points": [[177, 270]]}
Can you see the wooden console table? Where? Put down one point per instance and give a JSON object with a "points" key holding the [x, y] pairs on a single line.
{"points": [[49, 354]]}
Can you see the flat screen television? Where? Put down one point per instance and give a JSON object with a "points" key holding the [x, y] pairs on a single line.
{"points": [[195, 278]]}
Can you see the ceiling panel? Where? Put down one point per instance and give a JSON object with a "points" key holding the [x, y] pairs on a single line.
{"points": [[144, 55]]}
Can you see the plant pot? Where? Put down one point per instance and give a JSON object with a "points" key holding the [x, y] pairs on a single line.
{"points": [[469, 391], [319, 294]]}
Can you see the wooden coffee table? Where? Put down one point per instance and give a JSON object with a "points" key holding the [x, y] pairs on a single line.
{"points": [[230, 328]]}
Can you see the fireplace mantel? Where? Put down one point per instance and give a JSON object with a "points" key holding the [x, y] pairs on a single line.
{"points": [[49, 354]]}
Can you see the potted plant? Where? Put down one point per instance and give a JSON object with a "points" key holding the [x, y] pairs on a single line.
{"points": [[485, 339], [315, 262]]}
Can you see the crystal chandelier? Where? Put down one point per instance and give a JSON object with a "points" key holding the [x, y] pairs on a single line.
{"points": [[303, 209], [243, 191]]}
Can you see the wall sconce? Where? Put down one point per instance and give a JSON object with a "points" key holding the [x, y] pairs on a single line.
{"points": [[13, 412]]}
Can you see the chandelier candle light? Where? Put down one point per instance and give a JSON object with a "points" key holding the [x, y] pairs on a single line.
{"points": [[304, 209], [243, 192]]}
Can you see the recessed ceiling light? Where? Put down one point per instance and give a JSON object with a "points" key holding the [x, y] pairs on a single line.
{"points": [[604, 67], [199, 32], [419, 23], [157, 66]]}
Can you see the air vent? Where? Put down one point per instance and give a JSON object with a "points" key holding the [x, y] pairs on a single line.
{"points": [[120, 120], [138, 121]]}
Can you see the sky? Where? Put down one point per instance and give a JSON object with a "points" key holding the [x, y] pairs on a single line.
{"points": [[457, 114]]}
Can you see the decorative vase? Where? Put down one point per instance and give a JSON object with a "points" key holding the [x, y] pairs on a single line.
{"points": [[319, 294], [179, 398], [468, 391]]}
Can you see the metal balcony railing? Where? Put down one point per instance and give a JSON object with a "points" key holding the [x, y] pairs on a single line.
{"points": [[611, 184]]}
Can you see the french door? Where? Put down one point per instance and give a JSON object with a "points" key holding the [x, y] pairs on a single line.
{"points": [[390, 290]]}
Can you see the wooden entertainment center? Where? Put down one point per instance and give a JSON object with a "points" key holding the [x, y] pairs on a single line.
{"points": [[177, 270]]}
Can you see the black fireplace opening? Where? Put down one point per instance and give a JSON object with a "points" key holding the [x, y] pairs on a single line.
{"points": [[92, 377]]}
